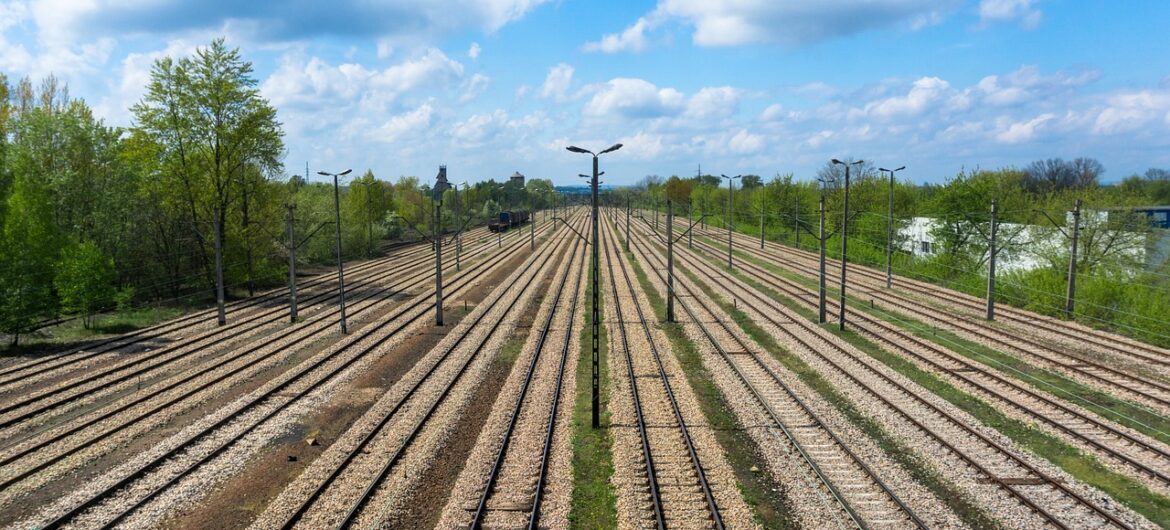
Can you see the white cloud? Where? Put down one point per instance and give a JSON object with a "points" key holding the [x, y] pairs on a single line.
{"points": [[925, 93], [557, 82], [1019, 132], [713, 103], [633, 99], [745, 143], [1132, 110], [1007, 10], [774, 112], [474, 86], [794, 23], [399, 126], [473, 51], [632, 39]]}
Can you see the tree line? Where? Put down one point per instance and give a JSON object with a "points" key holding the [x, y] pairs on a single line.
{"points": [[1116, 289], [190, 204]]}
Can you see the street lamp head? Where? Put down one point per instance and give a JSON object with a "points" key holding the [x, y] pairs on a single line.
{"points": [[611, 148], [584, 176], [325, 174], [858, 162], [883, 170], [344, 173], [576, 149], [835, 161], [900, 169]]}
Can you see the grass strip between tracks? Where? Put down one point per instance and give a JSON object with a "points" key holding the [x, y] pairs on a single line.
{"points": [[1120, 411], [1083, 467], [594, 502], [758, 488], [963, 505]]}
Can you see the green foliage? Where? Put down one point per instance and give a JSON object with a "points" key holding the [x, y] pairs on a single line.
{"points": [[84, 281]]}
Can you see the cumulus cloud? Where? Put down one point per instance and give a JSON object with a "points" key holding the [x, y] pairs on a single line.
{"points": [[1007, 10], [473, 51], [1023, 131], [796, 23], [65, 20], [474, 86], [925, 93], [632, 39], [401, 125], [633, 99], [557, 82]]}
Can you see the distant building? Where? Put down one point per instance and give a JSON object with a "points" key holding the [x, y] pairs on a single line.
{"points": [[1151, 248], [517, 178]]}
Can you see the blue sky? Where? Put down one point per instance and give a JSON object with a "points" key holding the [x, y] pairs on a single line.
{"points": [[489, 87]]}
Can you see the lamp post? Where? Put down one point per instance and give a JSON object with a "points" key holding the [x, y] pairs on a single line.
{"points": [[458, 219], [596, 277], [730, 213], [890, 228], [844, 238], [337, 226]]}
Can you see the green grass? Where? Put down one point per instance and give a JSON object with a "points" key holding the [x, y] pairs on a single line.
{"points": [[66, 333], [594, 503], [759, 489], [1086, 468]]}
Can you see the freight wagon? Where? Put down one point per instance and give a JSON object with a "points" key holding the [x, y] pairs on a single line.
{"points": [[508, 219]]}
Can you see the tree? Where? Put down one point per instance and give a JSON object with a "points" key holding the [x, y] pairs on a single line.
{"points": [[1055, 174], [84, 281], [206, 113], [751, 181]]}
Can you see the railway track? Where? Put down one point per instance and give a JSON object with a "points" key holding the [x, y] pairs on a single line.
{"points": [[1150, 391], [1071, 334], [118, 495], [27, 371], [22, 378], [1144, 456], [1049, 500], [154, 365], [353, 478], [32, 456], [678, 491], [509, 498], [862, 498]]}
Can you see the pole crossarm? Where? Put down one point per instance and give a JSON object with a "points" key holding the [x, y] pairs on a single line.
{"points": [[583, 238], [1055, 224], [688, 230], [461, 229]]}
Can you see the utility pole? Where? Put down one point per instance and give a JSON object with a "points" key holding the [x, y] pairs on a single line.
{"points": [[991, 260], [440, 186], [459, 219], [337, 226], [221, 316], [796, 219], [890, 229], [691, 229], [1070, 296], [292, 267], [369, 220], [532, 225], [669, 260], [596, 285], [761, 218], [730, 213], [821, 298], [627, 222], [844, 239]]}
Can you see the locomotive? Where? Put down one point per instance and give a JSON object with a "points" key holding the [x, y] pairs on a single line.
{"points": [[508, 219]]}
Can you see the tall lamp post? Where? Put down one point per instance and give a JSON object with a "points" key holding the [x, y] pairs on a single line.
{"points": [[337, 225], [596, 276], [458, 219], [844, 238], [890, 228], [730, 213]]}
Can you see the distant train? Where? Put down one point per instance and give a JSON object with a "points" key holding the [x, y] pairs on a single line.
{"points": [[508, 219]]}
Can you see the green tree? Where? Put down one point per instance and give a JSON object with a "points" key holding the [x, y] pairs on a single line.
{"points": [[206, 113], [84, 281]]}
